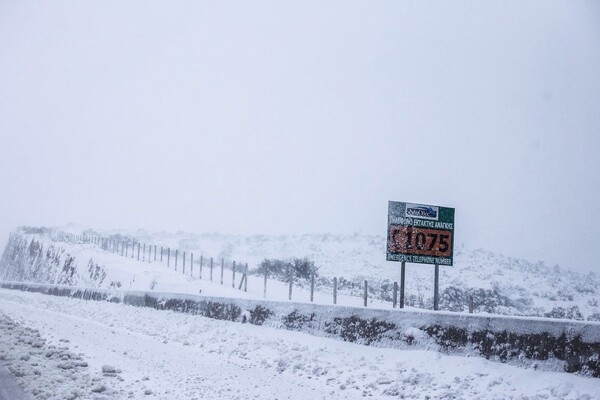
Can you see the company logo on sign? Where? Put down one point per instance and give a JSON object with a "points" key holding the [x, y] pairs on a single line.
{"points": [[420, 211]]}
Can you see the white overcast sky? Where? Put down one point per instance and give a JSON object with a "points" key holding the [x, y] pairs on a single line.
{"points": [[284, 117]]}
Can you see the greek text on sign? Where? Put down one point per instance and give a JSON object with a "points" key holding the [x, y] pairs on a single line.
{"points": [[420, 233]]}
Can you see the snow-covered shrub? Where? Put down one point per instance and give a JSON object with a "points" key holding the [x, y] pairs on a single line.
{"points": [[356, 329], [453, 299], [301, 268], [489, 299], [594, 317], [96, 272], [572, 312], [565, 294], [304, 268], [259, 315], [586, 287]]}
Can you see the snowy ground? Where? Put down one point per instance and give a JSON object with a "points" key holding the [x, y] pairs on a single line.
{"points": [[160, 354]]}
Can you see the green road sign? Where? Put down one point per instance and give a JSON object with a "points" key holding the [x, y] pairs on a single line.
{"points": [[420, 233]]}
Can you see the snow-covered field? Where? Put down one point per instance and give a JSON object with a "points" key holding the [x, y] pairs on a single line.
{"points": [[68, 348]]}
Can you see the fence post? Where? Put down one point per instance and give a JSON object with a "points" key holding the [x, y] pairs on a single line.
{"points": [[168, 257], [138, 251], [233, 275], [126, 249], [176, 256], [246, 278], [154, 252], [122, 248], [395, 301], [201, 261], [366, 292], [222, 268], [161, 254], [402, 275], [334, 290], [291, 278], [192, 265], [211, 268], [470, 304], [183, 269], [265, 285], [144, 253], [312, 287], [149, 252]]}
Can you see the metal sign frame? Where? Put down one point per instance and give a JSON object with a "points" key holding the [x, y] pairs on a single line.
{"points": [[420, 233]]}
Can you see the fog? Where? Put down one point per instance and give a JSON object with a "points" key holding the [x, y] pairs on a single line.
{"points": [[305, 117]]}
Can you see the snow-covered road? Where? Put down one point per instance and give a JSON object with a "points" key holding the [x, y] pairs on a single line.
{"points": [[119, 351]]}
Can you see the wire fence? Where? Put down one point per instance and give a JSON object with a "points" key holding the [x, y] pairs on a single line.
{"points": [[380, 293]]}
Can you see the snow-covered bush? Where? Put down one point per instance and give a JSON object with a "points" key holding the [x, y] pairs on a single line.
{"points": [[594, 317], [572, 312], [453, 299], [301, 268]]}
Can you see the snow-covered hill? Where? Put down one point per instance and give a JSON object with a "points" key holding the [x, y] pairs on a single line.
{"points": [[498, 284]]}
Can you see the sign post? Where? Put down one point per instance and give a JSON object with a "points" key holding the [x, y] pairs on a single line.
{"points": [[402, 275], [420, 234]]}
